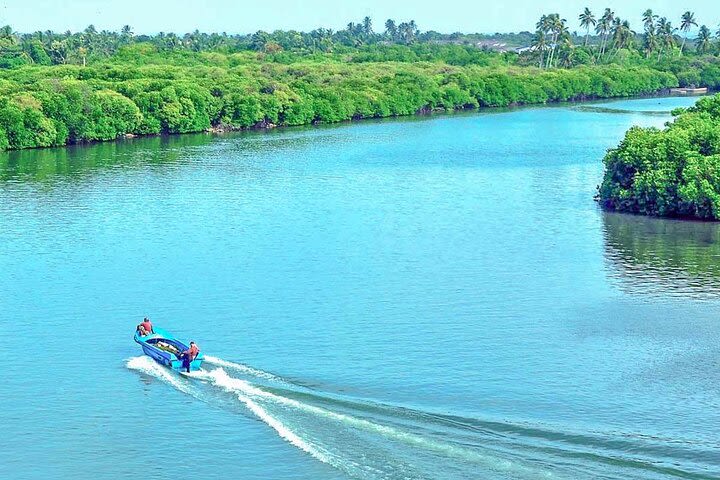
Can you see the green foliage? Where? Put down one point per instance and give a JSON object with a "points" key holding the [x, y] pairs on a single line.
{"points": [[670, 172], [102, 85], [157, 95], [25, 126]]}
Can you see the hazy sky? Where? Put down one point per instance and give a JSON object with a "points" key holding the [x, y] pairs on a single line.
{"points": [[151, 16]]}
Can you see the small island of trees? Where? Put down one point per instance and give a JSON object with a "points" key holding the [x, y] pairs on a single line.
{"points": [[673, 172]]}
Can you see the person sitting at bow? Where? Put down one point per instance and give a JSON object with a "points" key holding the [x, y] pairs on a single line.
{"points": [[145, 328]]}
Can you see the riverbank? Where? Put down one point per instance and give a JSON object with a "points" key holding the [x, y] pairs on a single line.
{"points": [[54, 106], [425, 112]]}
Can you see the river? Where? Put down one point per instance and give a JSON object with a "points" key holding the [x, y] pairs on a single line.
{"points": [[433, 298]]}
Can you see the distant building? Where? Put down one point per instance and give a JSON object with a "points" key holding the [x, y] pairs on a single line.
{"points": [[492, 45]]}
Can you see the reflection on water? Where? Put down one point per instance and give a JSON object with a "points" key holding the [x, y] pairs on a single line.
{"points": [[661, 256], [43, 164]]}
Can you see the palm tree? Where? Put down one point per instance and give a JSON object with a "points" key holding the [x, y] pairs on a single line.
{"points": [[545, 25], [587, 20], [622, 35], [649, 20], [564, 35], [567, 52], [414, 28], [407, 32], [603, 29], [614, 30], [666, 35], [539, 43], [703, 42], [686, 22], [651, 43], [554, 26], [126, 34], [391, 29], [367, 26]]}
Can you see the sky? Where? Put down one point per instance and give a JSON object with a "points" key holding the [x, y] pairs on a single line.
{"points": [[468, 16]]}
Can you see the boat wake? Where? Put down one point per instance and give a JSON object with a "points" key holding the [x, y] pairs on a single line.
{"points": [[371, 440]]}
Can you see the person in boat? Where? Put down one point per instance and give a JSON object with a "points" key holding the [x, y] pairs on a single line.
{"points": [[189, 355], [146, 327]]}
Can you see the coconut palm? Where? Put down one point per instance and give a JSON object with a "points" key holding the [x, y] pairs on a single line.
{"points": [[391, 29], [539, 44], [407, 32], [703, 41], [651, 43], [615, 29], [413, 27], [603, 29], [587, 20], [567, 52], [622, 35], [556, 28], [686, 23], [367, 26], [666, 35], [649, 20]]}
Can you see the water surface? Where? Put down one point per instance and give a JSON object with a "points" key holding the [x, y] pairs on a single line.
{"points": [[419, 298]]}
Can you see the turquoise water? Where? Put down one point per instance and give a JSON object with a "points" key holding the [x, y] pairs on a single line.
{"points": [[420, 298]]}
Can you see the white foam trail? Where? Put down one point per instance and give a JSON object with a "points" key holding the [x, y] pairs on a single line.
{"points": [[244, 368], [249, 395], [283, 430], [148, 366], [220, 378]]}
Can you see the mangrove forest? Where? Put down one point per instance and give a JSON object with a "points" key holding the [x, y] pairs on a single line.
{"points": [[66, 88]]}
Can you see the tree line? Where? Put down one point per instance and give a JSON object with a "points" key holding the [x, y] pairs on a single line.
{"points": [[53, 48], [194, 92], [606, 38], [553, 45]]}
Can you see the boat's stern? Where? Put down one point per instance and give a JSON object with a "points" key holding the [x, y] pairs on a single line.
{"points": [[177, 364]]}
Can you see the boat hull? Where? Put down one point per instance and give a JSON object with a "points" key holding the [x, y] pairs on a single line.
{"points": [[165, 349]]}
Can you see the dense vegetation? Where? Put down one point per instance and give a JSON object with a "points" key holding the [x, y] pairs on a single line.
{"points": [[670, 172], [57, 89], [44, 106]]}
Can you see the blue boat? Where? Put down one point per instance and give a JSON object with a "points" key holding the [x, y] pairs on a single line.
{"points": [[166, 350]]}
